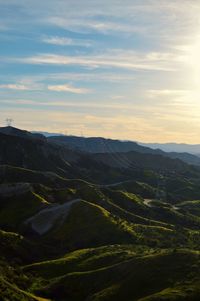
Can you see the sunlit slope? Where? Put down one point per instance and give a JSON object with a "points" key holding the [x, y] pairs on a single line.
{"points": [[123, 274], [15, 250], [84, 215], [10, 291], [81, 226]]}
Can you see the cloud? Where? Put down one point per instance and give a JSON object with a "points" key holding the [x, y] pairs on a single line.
{"points": [[110, 107], [156, 36], [122, 59], [63, 41], [68, 88], [114, 126], [31, 85], [117, 97], [166, 93], [23, 84], [113, 16], [18, 87], [112, 77], [58, 104], [90, 25]]}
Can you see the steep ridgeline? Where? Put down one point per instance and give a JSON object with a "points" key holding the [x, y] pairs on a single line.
{"points": [[20, 150], [83, 226], [11, 131], [29, 152], [102, 145]]}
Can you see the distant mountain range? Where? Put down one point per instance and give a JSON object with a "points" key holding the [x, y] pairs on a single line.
{"points": [[175, 147], [166, 147], [73, 156], [47, 134], [102, 145]]}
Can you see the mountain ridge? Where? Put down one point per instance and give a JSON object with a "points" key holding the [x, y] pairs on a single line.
{"points": [[101, 226], [174, 147], [12, 131], [103, 145]]}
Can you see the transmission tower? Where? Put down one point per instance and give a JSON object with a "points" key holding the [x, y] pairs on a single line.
{"points": [[9, 121]]}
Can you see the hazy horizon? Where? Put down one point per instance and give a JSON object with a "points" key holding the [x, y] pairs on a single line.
{"points": [[66, 133], [124, 70]]}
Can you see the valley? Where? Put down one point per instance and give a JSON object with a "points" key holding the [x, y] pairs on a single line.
{"points": [[96, 225]]}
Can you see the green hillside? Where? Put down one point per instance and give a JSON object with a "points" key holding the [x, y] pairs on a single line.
{"points": [[134, 275], [80, 226]]}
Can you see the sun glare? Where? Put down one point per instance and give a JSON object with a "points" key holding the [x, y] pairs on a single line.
{"points": [[194, 61]]}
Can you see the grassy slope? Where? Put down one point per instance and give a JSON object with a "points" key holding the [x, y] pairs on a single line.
{"points": [[132, 277], [13, 246], [10, 292], [187, 292], [131, 220], [15, 250], [108, 215], [84, 260], [90, 225], [16, 209], [11, 174]]}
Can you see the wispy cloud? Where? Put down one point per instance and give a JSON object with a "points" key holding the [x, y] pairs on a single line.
{"points": [[63, 41], [67, 104], [37, 86], [117, 97], [141, 59], [183, 127], [166, 93], [18, 87], [122, 59], [23, 84], [88, 76], [68, 88], [88, 25]]}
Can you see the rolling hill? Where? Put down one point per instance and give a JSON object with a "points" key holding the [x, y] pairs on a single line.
{"points": [[79, 225]]}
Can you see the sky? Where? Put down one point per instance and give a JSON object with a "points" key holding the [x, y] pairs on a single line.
{"points": [[120, 69]]}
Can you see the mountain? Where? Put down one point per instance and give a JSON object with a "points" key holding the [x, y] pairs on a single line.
{"points": [[47, 134], [96, 144], [174, 147], [23, 151], [102, 145], [11, 131], [126, 273], [78, 225], [89, 144]]}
